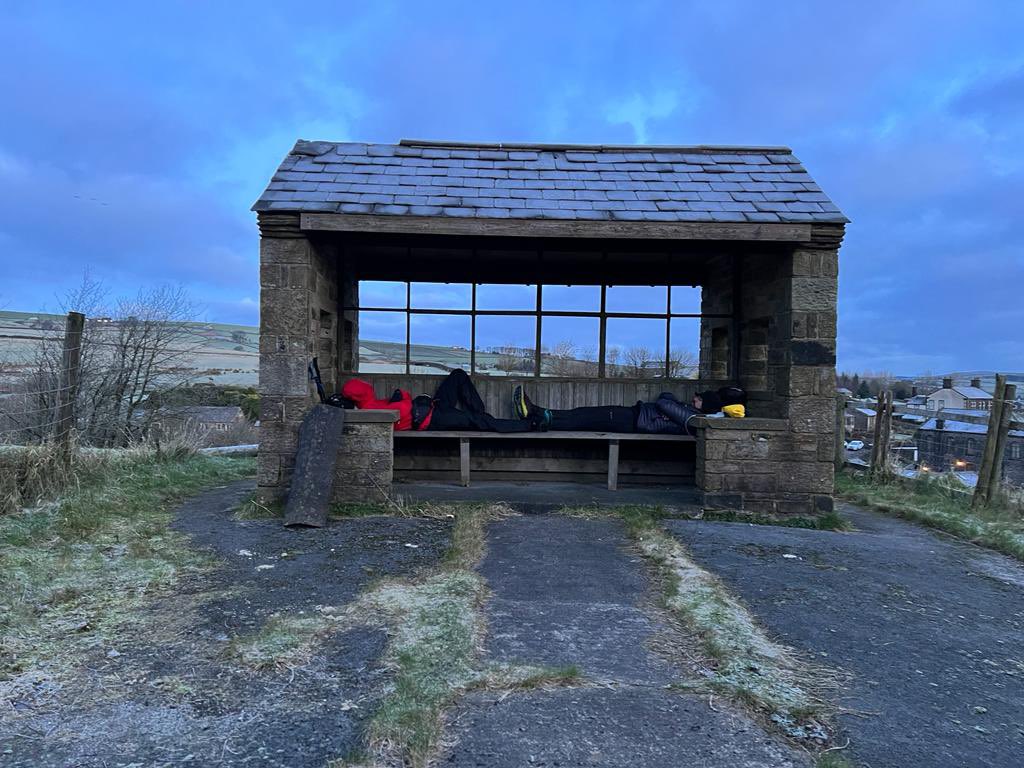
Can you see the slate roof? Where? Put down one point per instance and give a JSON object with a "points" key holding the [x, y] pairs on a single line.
{"points": [[973, 393], [530, 181], [202, 414], [963, 426]]}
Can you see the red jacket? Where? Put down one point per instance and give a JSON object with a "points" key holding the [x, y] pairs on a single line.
{"points": [[361, 393]]}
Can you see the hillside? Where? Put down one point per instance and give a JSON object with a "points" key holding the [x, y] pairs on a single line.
{"points": [[218, 353]]}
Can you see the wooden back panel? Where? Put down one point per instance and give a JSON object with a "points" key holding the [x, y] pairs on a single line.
{"points": [[547, 392]]}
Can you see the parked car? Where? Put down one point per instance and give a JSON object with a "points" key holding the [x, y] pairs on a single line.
{"points": [[855, 445]]}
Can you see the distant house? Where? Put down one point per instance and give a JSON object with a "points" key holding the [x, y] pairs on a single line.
{"points": [[203, 419], [972, 398], [860, 421], [844, 392], [958, 445]]}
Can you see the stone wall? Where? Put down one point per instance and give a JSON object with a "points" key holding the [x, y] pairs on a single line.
{"points": [[761, 466], [365, 464]]}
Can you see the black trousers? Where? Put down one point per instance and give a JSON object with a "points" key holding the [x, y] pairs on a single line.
{"points": [[457, 390], [595, 418]]}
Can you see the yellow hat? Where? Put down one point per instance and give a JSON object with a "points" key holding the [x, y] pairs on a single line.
{"points": [[735, 411]]}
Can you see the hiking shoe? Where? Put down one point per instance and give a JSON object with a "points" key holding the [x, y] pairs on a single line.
{"points": [[540, 421], [519, 402]]}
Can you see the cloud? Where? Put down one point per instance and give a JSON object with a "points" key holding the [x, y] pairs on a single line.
{"points": [[141, 136], [638, 110]]}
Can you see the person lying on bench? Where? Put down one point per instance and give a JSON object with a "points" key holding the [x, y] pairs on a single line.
{"points": [[666, 415], [442, 411]]}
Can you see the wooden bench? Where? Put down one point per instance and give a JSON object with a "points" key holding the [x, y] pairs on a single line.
{"points": [[612, 438]]}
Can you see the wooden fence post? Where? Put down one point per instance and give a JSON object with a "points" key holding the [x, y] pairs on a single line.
{"points": [[883, 449], [71, 362], [873, 469], [883, 426], [981, 490], [1005, 417], [840, 445]]}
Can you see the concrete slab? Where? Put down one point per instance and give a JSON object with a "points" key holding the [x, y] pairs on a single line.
{"points": [[620, 728], [564, 591], [930, 627]]}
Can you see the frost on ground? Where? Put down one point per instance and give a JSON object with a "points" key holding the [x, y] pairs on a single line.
{"points": [[744, 661]]}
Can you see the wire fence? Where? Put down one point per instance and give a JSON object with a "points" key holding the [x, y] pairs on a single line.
{"points": [[34, 381]]}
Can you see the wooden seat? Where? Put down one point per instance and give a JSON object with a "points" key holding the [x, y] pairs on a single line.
{"points": [[612, 438]]}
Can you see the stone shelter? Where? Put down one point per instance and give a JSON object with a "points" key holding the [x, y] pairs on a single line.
{"points": [[733, 247]]}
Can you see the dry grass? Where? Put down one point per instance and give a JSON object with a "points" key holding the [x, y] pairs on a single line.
{"points": [[941, 504], [74, 568], [31, 473]]}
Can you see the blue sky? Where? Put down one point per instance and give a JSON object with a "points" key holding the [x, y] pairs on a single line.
{"points": [[134, 137]]}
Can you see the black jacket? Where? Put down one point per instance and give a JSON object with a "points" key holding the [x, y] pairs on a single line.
{"points": [[666, 416]]}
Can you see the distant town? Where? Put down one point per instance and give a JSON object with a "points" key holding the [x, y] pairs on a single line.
{"points": [[939, 424]]}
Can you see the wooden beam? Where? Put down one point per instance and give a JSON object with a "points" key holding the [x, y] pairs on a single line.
{"points": [[657, 230]]}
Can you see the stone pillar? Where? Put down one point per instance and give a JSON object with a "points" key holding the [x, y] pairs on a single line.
{"points": [[298, 320], [365, 464], [806, 380], [285, 394], [348, 325], [785, 464]]}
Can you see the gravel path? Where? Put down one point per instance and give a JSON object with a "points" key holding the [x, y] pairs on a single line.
{"points": [[172, 697]]}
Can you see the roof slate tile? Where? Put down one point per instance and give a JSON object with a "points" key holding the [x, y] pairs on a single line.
{"points": [[642, 184]]}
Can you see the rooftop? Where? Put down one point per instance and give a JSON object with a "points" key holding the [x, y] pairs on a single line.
{"points": [[549, 181], [973, 393], [963, 426]]}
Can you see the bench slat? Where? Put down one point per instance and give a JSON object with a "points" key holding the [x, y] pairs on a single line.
{"points": [[543, 435]]}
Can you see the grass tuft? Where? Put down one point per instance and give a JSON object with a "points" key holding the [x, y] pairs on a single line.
{"points": [[832, 760], [251, 509], [745, 663], [436, 629], [829, 521], [282, 642]]}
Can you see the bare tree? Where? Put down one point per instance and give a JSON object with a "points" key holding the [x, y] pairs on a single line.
{"points": [[611, 357], [640, 362], [512, 359], [682, 364], [561, 359], [139, 345]]}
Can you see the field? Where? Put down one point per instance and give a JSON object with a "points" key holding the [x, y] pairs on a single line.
{"points": [[218, 353]]}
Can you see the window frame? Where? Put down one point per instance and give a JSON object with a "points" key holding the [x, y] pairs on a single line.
{"points": [[602, 314]]}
